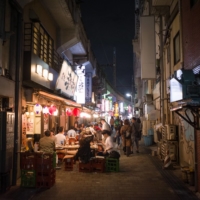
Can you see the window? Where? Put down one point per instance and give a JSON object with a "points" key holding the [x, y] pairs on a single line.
{"points": [[192, 3], [176, 43]]}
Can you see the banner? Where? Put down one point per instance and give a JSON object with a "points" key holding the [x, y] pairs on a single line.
{"points": [[80, 91], [88, 87], [67, 80]]}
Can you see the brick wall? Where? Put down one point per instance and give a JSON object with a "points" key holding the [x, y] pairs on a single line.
{"points": [[191, 34]]}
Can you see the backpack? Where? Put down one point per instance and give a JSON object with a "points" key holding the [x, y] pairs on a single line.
{"points": [[127, 134], [114, 154]]}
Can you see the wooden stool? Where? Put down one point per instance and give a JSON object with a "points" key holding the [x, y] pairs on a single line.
{"points": [[69, 161]]}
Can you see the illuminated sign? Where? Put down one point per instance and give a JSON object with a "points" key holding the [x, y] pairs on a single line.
{"points": [[88, 87], [67, 80], [107, 106], [121, 107], [116, 109], [80, 90]]}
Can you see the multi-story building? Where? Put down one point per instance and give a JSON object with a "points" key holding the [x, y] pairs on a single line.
{"points": [[166, 48]]}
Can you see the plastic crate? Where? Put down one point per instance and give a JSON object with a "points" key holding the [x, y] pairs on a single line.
{"points": [[98, 165], [27, 161], [46, 182], [69, 162], [85, 167], [27, 178], [45, 162], [45, 178], [112, 164], [148, 140]]}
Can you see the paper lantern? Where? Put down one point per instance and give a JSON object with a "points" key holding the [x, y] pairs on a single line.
{"points": [[37, 108], [52, 109], [55, 113], [76, 112], [68, 112], [45, 110]]}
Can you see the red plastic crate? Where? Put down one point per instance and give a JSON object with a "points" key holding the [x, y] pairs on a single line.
{"points": [[98, 165], [27, 161], [85, 167], [45, 182], [69, 161]]}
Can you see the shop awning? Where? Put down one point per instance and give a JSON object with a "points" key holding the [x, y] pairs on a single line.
{"points": [[56, 97]]}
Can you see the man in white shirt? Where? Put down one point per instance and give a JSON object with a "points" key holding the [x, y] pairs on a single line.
{"points": [[60, 138], [107, 145], [71, 132]]}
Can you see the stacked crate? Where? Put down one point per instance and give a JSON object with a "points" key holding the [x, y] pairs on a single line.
{"points": [[112, 165], [69, 161], [45, 170], [85, 167], [28, 169], [98, 165]]}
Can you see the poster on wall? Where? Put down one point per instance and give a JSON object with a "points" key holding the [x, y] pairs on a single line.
{"points": [[67, 80], [30, 125], [24, 122], [88, 87]]}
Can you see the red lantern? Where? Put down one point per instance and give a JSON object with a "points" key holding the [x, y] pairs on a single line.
{"points": [[76, 112], [52, 109], [68, 111]]}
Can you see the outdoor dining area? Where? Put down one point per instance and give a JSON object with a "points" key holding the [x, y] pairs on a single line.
{"points": [[85, 152]]}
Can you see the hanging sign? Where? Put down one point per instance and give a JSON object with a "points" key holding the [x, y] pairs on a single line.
{"points": [[88, 87], [80, 90], [67, 80]]}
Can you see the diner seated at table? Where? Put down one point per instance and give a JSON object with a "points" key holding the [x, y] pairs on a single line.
{"points": [[107, 145], [60, 138], [71, 132]]}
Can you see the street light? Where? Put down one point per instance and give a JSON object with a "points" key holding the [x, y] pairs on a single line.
{"points": [[129, 95]]}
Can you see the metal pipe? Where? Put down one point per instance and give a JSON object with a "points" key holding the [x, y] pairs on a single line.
{"points": [[161, 73]]}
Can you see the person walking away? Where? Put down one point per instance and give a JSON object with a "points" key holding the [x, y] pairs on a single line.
{"points": [[60, 138], [112, 123], [135, 134], [140, 128], [125, 132], [117, 125]]}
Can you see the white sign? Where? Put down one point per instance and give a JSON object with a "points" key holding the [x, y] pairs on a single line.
{"points": [[67, 80], [88, 87], [80, 90]]}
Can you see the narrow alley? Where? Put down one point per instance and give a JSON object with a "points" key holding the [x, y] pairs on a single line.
{"points": [[140, 177]]}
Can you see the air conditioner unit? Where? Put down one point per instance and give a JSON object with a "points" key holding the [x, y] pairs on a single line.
{"points": [[148, 99], [171, 132]]}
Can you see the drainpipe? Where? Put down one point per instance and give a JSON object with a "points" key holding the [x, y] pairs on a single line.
{"points": [[162, 73], [17, 93]]}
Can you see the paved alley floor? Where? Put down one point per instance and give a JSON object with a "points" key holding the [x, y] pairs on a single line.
{"points": [[141, 177]]}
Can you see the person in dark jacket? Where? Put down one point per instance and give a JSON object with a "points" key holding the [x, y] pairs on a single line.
{"points": [[135, 127], [84, 152]]}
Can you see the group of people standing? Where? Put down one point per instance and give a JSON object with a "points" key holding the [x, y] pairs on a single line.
{"points": [[127, 132]]}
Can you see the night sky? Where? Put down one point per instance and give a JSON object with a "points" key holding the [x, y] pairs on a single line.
{"points": [[109, 24]]}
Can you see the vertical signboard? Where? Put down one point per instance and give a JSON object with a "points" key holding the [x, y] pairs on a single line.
{"points": [[80, 90], [67, 80], [88, 87]]}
